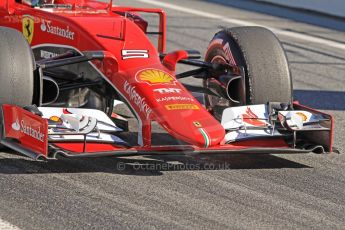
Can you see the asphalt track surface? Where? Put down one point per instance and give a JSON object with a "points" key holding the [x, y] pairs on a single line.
{"points": [[236, 192]]}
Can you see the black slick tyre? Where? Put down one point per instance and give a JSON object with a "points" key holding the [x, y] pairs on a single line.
{"points": [[258, 50]]}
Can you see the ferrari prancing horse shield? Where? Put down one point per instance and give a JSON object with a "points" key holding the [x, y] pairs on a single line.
{"points": [[28, 28]]}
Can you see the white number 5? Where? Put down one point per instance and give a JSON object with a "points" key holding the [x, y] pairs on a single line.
{"points": [[129, 54]]}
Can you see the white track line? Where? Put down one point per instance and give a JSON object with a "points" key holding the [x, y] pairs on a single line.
{"points": [[7, 226], [290, 34]]}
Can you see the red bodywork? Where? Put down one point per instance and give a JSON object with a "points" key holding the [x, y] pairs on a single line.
{"points": [[99, 29], [119, 32], [30, 130]]}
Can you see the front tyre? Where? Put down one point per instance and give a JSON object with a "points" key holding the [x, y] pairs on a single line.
{"points": [[258, 50], [16, 69]]}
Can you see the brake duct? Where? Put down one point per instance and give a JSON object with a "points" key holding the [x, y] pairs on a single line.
{"points": [[231, 87]]}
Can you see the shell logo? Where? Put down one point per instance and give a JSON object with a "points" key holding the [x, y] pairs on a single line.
{"points": [[56, 119], [155, 76], [302, 115]]}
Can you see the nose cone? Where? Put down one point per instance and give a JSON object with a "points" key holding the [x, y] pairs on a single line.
{"points": [[208, 136], [173, 107], [194, 127]]}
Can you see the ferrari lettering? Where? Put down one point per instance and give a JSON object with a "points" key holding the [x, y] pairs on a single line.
{"points": [[56, 30], [137, 99], [130, 54], [28, 130], [47, 54]]}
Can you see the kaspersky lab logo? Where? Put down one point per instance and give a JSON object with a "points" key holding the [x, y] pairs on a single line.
{"points": [[28, 130]]}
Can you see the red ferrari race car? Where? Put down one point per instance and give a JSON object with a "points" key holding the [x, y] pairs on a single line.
{"points": [[69, 67]]}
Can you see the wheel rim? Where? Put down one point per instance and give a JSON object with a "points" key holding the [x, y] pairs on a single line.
{"points": [[211, 101]]}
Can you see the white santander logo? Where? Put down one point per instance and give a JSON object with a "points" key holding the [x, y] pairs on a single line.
{"points": [[16, 125], [28, 130]]}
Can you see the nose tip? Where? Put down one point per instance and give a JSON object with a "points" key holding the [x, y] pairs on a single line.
{"points": [[206, 138]]}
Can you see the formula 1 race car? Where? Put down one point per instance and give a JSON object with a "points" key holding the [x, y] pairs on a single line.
{"points": [[82, 79]]}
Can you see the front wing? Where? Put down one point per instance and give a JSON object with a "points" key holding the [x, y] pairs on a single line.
{"points": [[35, 136]]}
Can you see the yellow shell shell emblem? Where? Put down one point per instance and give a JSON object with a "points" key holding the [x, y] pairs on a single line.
{"points": [[302, 115], [56, 119], [28, 26], [155, 76]]}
